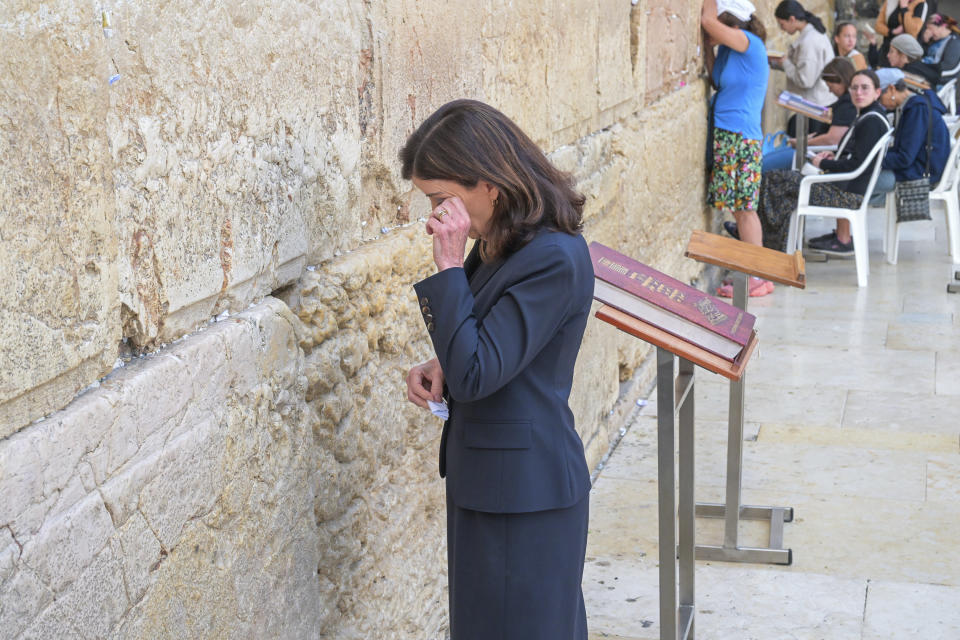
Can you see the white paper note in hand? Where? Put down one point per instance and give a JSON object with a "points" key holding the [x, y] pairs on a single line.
{"points": [[439, 409]]}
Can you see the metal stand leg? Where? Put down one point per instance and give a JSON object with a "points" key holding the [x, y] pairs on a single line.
{"points": [[675, 400], [733, 511]]}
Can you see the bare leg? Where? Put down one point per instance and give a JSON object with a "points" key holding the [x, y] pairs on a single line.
{"points": [[843, 230], [748, 226]]}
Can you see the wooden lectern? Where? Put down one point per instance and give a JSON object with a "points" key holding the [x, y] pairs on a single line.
{"points": [[747, 260], [675, 409]]}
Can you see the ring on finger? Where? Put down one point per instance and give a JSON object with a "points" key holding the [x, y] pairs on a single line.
{"points": [[441, 212]]}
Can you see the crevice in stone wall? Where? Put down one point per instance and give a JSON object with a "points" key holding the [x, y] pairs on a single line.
{"points": [[13, 536]]}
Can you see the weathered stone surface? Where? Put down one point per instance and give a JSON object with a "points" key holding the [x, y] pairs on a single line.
{"points": [[264, 476], [58, 328]]}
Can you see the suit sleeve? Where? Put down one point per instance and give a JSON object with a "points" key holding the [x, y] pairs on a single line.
{"points": [[479, 357]]}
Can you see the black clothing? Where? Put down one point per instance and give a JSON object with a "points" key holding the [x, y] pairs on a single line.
{"points": [[930, 73], [844, 113], [857, 144]]}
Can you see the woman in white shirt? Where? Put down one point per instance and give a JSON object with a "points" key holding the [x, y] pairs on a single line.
{"points": [[806, 57]]}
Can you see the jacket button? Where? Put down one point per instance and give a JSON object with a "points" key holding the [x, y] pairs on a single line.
{"points": [[428, 317], [424, 301], [429, 326], [425, 310]]}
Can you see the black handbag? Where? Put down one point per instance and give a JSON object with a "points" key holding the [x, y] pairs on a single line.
{"points": [[913, 196]]}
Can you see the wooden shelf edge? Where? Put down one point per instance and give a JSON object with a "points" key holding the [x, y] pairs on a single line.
{"points": [[784, 268], [678, 346]]}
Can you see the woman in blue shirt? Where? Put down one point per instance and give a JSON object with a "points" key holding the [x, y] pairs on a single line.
{"points": [[739, 74]]}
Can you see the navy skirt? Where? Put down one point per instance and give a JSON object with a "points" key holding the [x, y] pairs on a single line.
{"points": [[517, 575]]}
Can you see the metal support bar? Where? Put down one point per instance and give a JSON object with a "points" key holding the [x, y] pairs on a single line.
{"points": [[732, 511], [677, 562]]}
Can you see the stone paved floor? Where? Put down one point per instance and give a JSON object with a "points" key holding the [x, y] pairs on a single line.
{"points": [[853, 419]]}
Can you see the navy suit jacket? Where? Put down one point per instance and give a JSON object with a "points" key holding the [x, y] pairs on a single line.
{"points": [[507, 334]]}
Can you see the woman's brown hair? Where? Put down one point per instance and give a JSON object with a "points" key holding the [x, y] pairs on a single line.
{"points": [[870, 73], [754, 26], [466, 141], [839, 70]]}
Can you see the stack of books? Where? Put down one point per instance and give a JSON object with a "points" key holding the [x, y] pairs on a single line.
{"points": [[915, 81], [810, 109]]}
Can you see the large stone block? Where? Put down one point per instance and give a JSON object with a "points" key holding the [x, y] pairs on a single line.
{"points": [[68, 542], [58, 322], [671, 52], [229, 124]]}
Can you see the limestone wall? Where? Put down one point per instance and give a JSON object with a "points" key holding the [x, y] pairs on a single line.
{"points": [[208, 254]]}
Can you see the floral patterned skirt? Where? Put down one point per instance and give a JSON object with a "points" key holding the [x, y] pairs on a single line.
{"points": [[735, 182], [778, 200]]}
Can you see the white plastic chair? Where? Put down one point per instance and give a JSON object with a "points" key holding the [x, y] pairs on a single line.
{"points": [[945, 192], [857, 217], [948, 96]]}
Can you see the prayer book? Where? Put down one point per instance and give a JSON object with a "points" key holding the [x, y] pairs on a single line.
{"points": [[668, 304], [811, 109]]}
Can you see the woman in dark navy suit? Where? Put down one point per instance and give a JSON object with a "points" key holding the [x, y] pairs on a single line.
{"points": [[506, 325]]}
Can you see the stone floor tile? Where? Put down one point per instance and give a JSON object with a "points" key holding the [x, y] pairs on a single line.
{"points": [[902, 610], [872, 538], [732, 603], [860, 369], [936, 301], [948, 373], [771, 402], [823, 470], [943, 479], [903, 412], [866, 438], [839, 330]]}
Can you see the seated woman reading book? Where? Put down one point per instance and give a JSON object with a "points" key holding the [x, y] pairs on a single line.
{"points": [[780, 189], [837, 75]]}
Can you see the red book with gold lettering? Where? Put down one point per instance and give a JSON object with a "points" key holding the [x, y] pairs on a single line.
{"points": [[656, 298]]}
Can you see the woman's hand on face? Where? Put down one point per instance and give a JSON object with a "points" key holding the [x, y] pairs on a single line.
{"points": [[425, 382], [449, 224]]}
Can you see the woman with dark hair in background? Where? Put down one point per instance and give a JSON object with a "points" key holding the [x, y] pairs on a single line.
{"points": [[837, 74], [780, 189], [845, 44], [739, 73], [943, 47], [506, 325], [896, 17], [805, 59]]}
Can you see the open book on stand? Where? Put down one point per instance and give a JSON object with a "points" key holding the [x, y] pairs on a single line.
{"points": [[677, 308], [801, 105]]}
